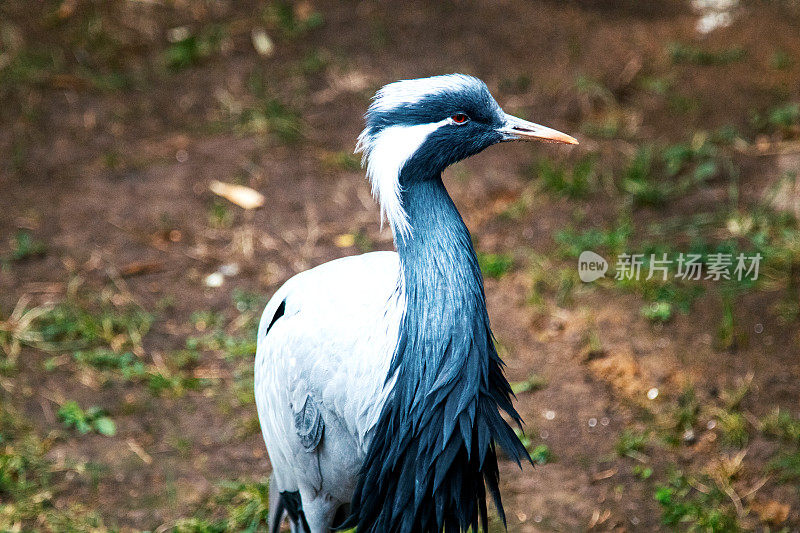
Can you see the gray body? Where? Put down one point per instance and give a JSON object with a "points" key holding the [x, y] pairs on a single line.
{"points": [[331, 349]]}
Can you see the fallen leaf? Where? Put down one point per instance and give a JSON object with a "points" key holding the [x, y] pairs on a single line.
{"points": [[772, 512], [240, 195], [599, 517], [605, 474], [345, 240]]}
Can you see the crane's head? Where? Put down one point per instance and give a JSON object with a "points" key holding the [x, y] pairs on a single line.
{"points": [[417, 128]]}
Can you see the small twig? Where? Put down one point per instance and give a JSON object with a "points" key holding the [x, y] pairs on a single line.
{"points": [[116, 279], [760, 483], [48, 412], [139, 451], [698, 486], [737, 502]]}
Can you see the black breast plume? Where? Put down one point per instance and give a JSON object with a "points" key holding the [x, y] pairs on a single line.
{"points": [[433, 456]]}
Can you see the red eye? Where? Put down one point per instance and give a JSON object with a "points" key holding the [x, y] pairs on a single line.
{"points": [[459, 118]]}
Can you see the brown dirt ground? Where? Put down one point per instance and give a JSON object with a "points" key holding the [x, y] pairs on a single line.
{"points": [[95, 219]]}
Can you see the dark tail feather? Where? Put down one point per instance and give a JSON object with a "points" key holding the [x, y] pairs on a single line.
{"points": [[292, 505]]}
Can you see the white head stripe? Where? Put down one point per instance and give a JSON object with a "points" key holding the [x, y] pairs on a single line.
{"points": [[385, 154]]}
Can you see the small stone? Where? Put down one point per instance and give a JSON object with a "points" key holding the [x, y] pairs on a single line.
{"points": [[652, 394], [689, 436], [175, 35], [230, 269], [262, 42], [214, 280], [592, 422]]}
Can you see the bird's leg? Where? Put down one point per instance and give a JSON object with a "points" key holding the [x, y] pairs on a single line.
{"points": [[274, 497], [319, 510]]}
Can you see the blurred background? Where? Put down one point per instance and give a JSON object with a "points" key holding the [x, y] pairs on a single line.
{"points": [[166, 164]]}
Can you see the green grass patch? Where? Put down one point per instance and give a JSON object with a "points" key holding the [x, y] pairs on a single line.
{"points": [[612, 240], [541, 454], [189, 49], [632, 443], [83, 321], [237, 506], [783, 119], [682, 53], [272, 116], [495, 265], [126, 364], [782, 425], [733, 428], [784, 116], [290, 20], [696, 503], [534, 383], [657, 312], [25, 246], [656, 174], [341, 160], [220, 214], [688, 409], [786, 465], [780, 60], [92, 419], [27, 486], [643, 472], [177, 384], [576, 181]]}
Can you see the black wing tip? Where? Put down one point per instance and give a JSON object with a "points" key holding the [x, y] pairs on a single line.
{"points": [[278, 313]]}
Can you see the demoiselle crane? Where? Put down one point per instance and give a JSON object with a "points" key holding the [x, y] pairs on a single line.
{"points": [[378, 386]]}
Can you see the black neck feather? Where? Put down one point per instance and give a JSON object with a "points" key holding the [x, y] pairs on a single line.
{"points": [[433, 453]]}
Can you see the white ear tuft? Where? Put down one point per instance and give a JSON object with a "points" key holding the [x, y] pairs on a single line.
{"points": [[384, 154]]}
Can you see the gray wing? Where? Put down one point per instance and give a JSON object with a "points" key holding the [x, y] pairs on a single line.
{"points": [[321, 367], [309, 424]]}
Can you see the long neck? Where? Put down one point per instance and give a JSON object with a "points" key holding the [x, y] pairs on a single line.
{"points": [[442, 280], [438, 237], [433, 450]]}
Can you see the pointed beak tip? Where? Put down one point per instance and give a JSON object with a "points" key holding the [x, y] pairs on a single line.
{"points": [[555, 137], [559, 138], [522, 130]]}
